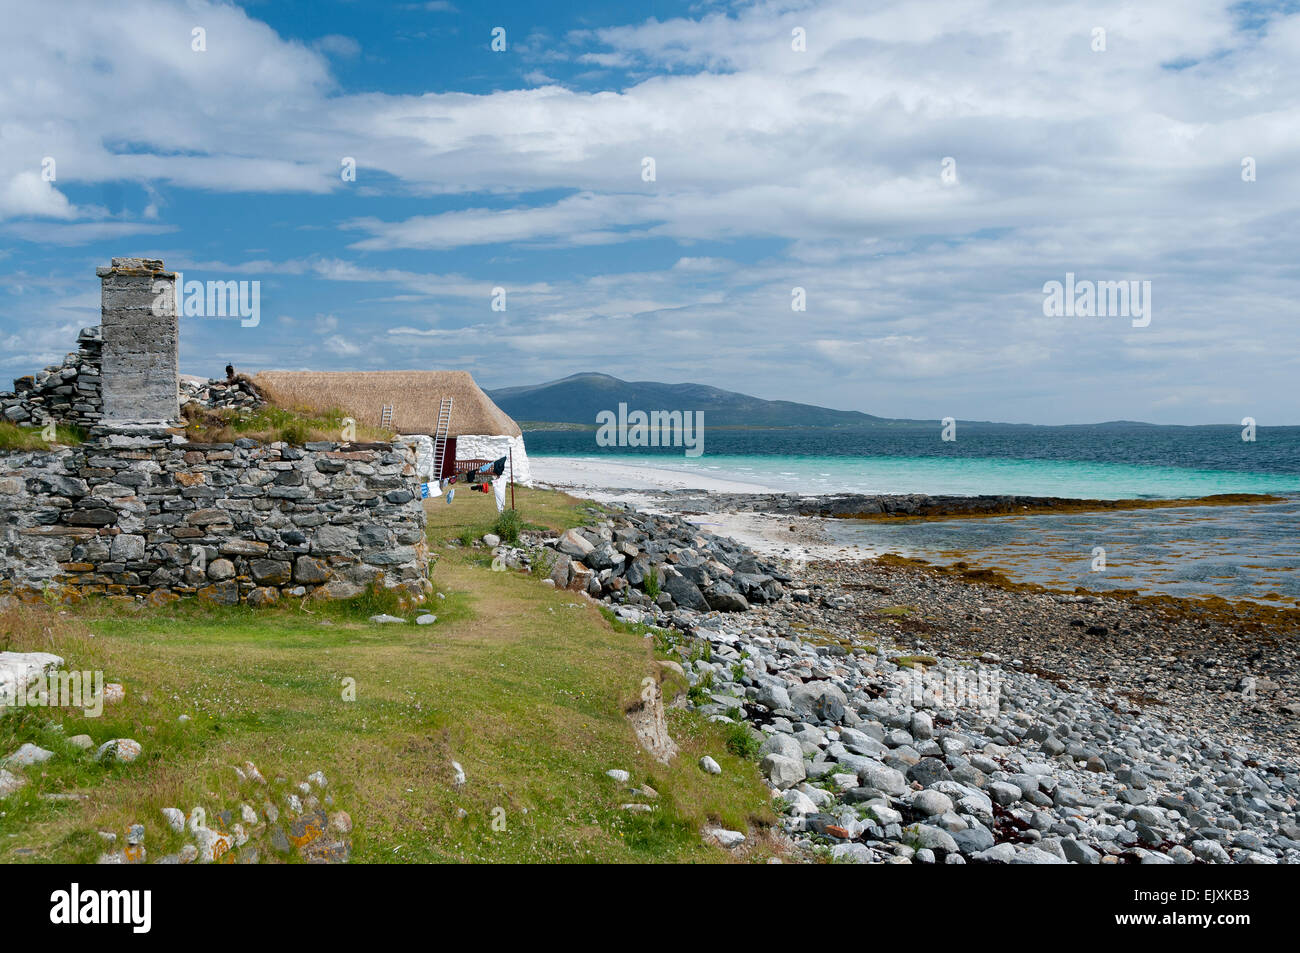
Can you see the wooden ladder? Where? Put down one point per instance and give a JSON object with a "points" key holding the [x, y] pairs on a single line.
{"points": [[386, 417], [440, 437]]}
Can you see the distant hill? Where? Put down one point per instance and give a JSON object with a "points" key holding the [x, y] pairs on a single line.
{"points": [[577, 400], [573, 402]]}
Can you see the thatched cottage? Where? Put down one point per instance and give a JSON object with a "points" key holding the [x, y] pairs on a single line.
{"points": [[408, 403]]}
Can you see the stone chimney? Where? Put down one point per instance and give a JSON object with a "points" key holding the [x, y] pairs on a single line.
{"points": [[140, 368]]}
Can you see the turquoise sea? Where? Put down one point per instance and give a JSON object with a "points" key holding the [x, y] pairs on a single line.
{"points": [[1250, 552]]}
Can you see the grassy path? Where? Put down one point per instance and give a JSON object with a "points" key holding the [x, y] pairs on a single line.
{"points": [[525, 687]]}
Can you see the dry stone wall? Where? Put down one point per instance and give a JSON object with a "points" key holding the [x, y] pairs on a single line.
{"points": [[68, 393], [150, 515]]}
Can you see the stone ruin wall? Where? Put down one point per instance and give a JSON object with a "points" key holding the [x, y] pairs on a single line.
{"points": [[137, 511], [141, 359], [243, 522], [67, 393]]}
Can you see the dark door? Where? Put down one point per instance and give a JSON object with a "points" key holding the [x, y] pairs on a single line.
{"points": [[449, 460]]}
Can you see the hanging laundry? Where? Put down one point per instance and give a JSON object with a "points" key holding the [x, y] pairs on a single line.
{"points": [[484, 472], [499, 491]]}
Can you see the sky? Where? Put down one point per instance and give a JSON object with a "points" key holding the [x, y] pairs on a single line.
{"points": [[920, 170]]}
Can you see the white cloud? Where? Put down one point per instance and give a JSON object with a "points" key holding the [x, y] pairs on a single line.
{"points": [[584, 219], [341, 346], [82, 233], [1106, 164], [337, 45], [28, 194]]}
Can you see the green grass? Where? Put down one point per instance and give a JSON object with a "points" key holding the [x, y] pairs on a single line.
{"points": [[470, 515], [526, 687], [271, 422], [508, 525], [14, 437], [741, 742]]}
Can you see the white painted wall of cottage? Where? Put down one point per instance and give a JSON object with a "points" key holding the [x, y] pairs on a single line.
{"points": [[487, 447], [476, 447]]}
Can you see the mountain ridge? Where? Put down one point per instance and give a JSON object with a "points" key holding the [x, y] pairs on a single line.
{"points": [[577, 399], [574, 401]]}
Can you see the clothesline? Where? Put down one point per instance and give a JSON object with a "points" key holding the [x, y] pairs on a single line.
{"points": [[480, 479]]}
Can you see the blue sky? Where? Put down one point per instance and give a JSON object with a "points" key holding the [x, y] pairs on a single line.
{"points": [[776, 168]]}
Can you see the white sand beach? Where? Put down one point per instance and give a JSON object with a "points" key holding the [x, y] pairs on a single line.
{"points": [[784, 536], [590, 473], [798, 538]]}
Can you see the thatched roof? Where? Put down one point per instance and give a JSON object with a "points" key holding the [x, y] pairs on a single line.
{"points": [[414, 395]]}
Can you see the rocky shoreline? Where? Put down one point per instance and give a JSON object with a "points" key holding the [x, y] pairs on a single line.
{"points": [[922, 505], [904, 715]]}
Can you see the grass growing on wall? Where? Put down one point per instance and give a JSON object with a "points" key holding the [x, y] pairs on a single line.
{"points": [[14, 437], [272, 423]]}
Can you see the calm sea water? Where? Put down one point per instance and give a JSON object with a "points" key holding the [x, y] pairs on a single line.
{"points": [[1094, 462], [1248, 552], [1237, 552]]}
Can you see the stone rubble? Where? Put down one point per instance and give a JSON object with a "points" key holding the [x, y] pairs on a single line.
{"points": [[312, 832], [876, 760], [67, 393], [657, 563], [220, 394], [875, 755], [71, 393]]}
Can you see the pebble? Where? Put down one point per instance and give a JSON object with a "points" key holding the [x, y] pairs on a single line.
{"points": [[9, 783], [121, 750], [26, 756], [723, 837], [211, 845], [930, 803], [961, 759]]}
